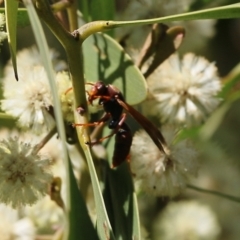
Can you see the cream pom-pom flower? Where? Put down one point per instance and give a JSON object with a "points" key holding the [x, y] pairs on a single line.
{"points": [[14, 227], [186, 220], [162, 174], [24, 173], [29, 99], [185, 90]]}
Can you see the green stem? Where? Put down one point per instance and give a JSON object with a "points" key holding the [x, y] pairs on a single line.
{"points": [[229, 11], [72, 46], [75, 61], [216, 193], [45, 13], [61, 5], [72, 16], [224, 12]]}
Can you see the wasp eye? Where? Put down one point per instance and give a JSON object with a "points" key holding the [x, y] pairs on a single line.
{"points": [[99, 86]]}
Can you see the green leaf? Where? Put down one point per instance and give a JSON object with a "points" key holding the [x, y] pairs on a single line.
{"points": [[76, 212], [120, 198], [225, 12], [11, 23], [125, 220], [84, 9], [230, 81], [104, 227], [186, 133], [216, 119], [104, 59], [97, 9], [103, 224], [22, 17], [81, 227]]}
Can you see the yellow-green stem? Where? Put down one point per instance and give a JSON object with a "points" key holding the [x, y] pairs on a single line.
{"points": [[229, 11], [216, 193], [61, 5], [72, 16], [75, 61]]}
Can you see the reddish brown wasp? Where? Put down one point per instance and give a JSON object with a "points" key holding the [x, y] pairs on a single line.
{"points": [[113, 104]]}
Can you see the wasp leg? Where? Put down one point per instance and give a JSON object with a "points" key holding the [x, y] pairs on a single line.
{"points": [[101, 121], [110, 135]]}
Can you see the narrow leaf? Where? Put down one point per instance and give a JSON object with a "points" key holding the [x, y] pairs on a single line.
{"points": [[72, 202], [84, 8], [214, 121], [103, 224], [230, 81], [22, 18], [123, 201], [120, 197], [82, 228], [11, 23], [224, 12], [217, 117], [229, 11]]}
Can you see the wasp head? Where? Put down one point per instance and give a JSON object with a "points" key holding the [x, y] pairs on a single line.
{"points": [[98, 89]]}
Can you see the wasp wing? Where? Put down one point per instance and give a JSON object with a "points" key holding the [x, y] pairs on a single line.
{"points": [[148, 126]]}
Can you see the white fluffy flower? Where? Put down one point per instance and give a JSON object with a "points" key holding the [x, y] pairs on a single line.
{"points": [[24, 174], [158, 173], [29, 99], [30, 57], [12, 227], [186, 220], [185, 90], [46, 215], [66, 95]]}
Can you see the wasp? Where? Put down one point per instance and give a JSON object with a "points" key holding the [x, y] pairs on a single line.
{"points": [[113, 104]]}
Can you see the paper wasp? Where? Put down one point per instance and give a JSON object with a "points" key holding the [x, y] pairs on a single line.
{"points": [[113, 104]]}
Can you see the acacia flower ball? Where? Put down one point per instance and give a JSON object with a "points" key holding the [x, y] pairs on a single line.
{"points": [[29, 58], [46, 215], [14, 227], [185, 90], [24, 174], [186, 220], [29, 99], [65, 93], [158, 173]]}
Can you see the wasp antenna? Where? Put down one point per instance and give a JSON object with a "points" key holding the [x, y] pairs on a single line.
{"points": [[88, 83], [68, 90]]}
